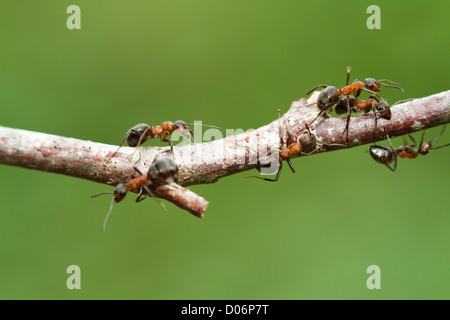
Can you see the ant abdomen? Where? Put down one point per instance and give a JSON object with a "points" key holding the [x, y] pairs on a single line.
{"points": [[163, 170], [268, 164], [136, 133], [327, 97], [381, 154]]}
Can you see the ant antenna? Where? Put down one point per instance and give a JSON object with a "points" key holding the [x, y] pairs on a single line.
{"points": [[205, 125], [437, 138], [107, 215], [445, 145], [391, 84], [99, 194]]}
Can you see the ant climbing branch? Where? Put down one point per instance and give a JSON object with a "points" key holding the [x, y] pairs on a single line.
{"points": [[207, 162]]}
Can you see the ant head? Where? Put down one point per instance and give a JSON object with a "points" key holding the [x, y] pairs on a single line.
{"points": [[371, 84], [183, 128], [327, 97], [135, 134], [384, 110], [307, 140], [163, 170], [425, 148], [120, 192]]}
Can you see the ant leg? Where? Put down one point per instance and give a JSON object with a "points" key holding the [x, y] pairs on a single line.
{"points": [[318, 115], [347, 126], [123, 141], [421, 140], [165, 139], [317, 148], [268, 179], [374, 115], [151, 194], [348, 75], [395, 165], [372, 92], [437, 138], [141, 196], [404, 140], [141, 140], [316, 87], [439, 135], [412, 139], [137, 170], [390, 143], [393, 152], [290, 165]]}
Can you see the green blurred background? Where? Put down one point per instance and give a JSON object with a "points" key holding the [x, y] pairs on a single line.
{"points": [[312, 235]]}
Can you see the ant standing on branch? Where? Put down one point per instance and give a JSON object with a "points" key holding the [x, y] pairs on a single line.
{"points": [[345, 102], [161, 171], [385, 155], [143, 132], [304, 144]]}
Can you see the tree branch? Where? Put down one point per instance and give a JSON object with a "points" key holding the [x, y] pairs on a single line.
{"points": [[209, 161]]}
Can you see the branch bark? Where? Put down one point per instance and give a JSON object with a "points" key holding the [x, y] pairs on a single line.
{"points": [[209, 161]]}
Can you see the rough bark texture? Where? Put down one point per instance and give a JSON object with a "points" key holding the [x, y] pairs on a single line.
{"points": [[207, 162]]}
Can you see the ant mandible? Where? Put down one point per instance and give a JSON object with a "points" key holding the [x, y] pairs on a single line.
{"points": [[331, 95], [161, 171], [385, 155], [143, 132]]}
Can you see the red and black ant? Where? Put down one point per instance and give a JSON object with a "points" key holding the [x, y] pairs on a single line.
{"points": [[305, 144], [385, 155], [381, 108], [331, 95], [161, 171], [143, 132]]}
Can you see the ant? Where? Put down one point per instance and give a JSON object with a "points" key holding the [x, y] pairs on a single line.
{"points": [[161, 171], [378, 107], [305, 144], [143, 132], [385, 155], [306, 141], [331, 95]]}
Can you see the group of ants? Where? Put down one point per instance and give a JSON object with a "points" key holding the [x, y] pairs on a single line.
{"points": [[344, 100]]}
